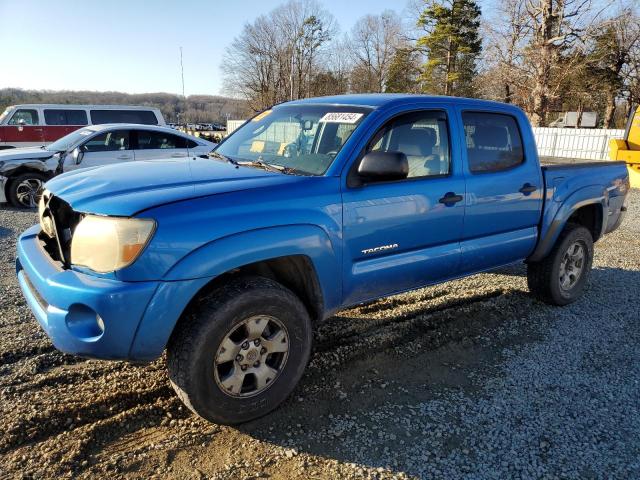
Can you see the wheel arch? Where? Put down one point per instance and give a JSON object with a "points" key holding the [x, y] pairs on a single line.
{"points": [[585, 207]]}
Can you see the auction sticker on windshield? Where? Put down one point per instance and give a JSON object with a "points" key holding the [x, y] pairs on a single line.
{"points": [[341, 117]]}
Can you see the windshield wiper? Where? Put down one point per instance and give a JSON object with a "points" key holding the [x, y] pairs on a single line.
{"points": [[223, 157], [267, 166]]}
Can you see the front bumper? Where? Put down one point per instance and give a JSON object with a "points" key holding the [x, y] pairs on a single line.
{"points": [[3, 189], [82, 314], [98, 317]]}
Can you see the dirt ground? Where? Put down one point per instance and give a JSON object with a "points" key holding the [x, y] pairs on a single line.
{"points": [[472, 378]]}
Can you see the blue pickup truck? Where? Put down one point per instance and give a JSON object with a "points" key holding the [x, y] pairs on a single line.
{"points": [[227, 260]]}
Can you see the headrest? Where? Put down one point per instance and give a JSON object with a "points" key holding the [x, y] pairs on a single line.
{"points": [[414, 141]]}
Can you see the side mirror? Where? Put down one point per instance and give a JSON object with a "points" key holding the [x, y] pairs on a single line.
{"points": [[383, 167], [77, 155], [22, 122]]}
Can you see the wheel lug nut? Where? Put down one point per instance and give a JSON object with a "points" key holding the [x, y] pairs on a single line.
{"points": [[257, 364], [263, 351], [243, 367], [256, 342], [245, 345], [239, 358]]}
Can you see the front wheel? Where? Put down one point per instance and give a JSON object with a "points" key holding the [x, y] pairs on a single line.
{"points": [[25, 190], [560, 278], [241, 352]]}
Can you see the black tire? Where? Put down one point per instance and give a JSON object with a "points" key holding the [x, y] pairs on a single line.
{"points": [[16, 197], [544, 277], [191, 353]]}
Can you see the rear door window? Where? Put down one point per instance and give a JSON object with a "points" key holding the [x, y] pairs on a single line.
{"points": [[24, 116], [144, 117], [150, 140], [493, 142], [65, 117]]}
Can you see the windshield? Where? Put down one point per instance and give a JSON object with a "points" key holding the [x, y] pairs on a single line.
{"points": [[302, 138], [68, 141], [5, 114]]}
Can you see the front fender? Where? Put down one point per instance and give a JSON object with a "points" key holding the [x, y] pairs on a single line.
{"points": [[187, 277], [557, 214], [13, 167]]}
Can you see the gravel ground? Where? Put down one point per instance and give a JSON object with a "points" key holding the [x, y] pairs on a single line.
{"points": [[470, 379]]}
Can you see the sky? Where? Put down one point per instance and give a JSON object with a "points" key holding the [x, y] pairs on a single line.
{"points": [[133, 45]]}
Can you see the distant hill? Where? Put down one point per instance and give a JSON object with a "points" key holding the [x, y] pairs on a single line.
{"points": [[195, 108]]}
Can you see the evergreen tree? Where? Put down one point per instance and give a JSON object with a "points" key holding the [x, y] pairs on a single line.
{"points": [[403, 71], [452, 45]]}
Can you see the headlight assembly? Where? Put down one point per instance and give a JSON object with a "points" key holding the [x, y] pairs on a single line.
{"points": [[105, 244], [45, 220]]}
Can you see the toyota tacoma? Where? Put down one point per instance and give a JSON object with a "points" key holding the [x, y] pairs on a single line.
{"points": [[227, 260]]}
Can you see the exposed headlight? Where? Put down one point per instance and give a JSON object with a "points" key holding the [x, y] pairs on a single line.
{"points": [[45, 221], [105, 244]]}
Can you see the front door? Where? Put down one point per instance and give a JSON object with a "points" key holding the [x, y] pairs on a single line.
{"points": [[405, 234], [24, 129], [103, 149], [504, 192]]}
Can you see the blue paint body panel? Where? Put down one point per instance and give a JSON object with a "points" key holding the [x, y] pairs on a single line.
{"points": [[213, 217]]}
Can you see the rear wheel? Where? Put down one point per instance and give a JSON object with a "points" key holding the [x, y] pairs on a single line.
{"points": [[559, 279], [24, 191], [241, 352]]}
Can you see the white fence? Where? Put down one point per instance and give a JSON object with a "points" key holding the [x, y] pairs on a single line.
{"points": [[575, 142], [233, 125]]}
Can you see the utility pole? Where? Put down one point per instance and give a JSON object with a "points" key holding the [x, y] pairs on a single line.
{"points": [[183, 97], [182, 72]]}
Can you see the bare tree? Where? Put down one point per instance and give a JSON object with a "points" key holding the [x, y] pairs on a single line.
{"points": [[614, 43], [557, 26], [275, 58], [374, 40], [506, 35]]}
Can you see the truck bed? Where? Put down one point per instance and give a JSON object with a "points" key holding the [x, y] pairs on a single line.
{"points": [[546, 161], [567, 183]]}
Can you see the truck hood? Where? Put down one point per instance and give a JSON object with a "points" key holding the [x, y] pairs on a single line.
{"points": [[25, 153], [125, 189]]}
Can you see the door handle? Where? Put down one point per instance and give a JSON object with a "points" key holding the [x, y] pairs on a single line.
{"points": [[528, 189], [124, 157], [178, 155], [450, 198]]}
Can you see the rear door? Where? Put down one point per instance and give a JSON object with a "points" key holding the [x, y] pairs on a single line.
{"points": [[24, 129], [152, 144], [504, 191], [106, 148], [404, 234]]}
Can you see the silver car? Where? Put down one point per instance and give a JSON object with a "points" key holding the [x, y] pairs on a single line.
{"points": [[23, 171]]}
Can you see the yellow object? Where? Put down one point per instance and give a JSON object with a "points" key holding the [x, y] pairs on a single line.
{"points": [[634, 175], [257, 146], [633, 136], [628, 150]]}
